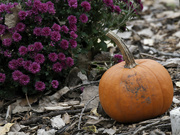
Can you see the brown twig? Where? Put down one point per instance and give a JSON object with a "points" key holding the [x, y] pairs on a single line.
{"points": [[85, 84], [84, 110], [51, 114]]}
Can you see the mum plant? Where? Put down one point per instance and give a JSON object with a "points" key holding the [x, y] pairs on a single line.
{"points": [[40, 39]]}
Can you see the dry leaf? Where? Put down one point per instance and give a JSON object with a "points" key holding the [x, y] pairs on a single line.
{"points": [[110, 131], [53, 108], [6, 128], [89, 93], [178, 84], [57, 122], [12, 19], [175, 100], [146, 32], [17, 133], [66, 118], [149, 42], [177, 34], [43, 132], [90, 129]]}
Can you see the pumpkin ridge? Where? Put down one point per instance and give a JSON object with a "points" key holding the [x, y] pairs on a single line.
{"points": [[152, 103], [107, 79], [158, 83]]}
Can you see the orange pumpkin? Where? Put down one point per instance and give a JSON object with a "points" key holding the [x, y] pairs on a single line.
{"points": [[135, 90]]}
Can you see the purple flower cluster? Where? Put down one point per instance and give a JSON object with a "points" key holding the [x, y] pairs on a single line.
{"points": [[83, 18], [73, 3], [2, 29], [40, 86], [55, 84], [7, 41], [86, 5], [18, 76], [32, 58], [118, 57]]}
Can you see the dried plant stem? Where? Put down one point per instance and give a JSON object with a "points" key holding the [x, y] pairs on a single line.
{"points": [[27, 99], [127, 55], [84, 109]]}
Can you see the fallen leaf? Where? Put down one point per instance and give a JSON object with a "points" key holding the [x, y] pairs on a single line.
{"points": [[66, 118], [178, 84], [53, 108], [177, 34], [18, 133], [89, 93], [175, 100], [146, 32], [149, 42], [43, 132], [90, 129], [57, 122], [110, 131], [4, 129], [12, 19]]}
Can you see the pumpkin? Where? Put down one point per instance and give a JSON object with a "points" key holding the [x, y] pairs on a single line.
{"points": [[135, 90]]}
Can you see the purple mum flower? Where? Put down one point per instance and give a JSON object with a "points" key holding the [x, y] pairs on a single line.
{"points": [[56, 27], [64, 44], [16, 74], [39, 58], [55, 84], [20, 62], [65, 29], [20, 27], [73, 27], [73, 35], [69, 61], [39, 85], [38, 46], [118, 57], [86, 5], [57, 67], [2, 77], [37, 31], [52, 11], [61, 56], [13, 65], [22, 15], [31, 48], [73, 3], [24, 79], [108, 2], [43, 7], [50, 4], [38, 19], [53, 57], [73, 43], [2, 29], [117, 9], [7, 41], [26, 64], [46, 31], [16, 37], [23, 50], [83, 18], [72, 19], [7, 53], [55, 36], [35, 67], [2, 7]]}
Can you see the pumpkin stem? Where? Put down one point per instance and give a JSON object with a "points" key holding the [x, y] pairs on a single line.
{"points": [[127, 55]]}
